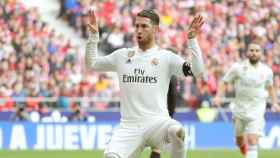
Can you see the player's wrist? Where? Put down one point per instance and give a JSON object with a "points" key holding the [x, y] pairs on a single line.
{"points": [[93, 37], [191, 34]]}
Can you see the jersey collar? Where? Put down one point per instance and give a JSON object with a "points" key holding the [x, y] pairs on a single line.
{"points": [[148, 51]]}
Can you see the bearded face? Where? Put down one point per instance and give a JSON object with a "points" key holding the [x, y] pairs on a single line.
{"points": [[254, 53]]}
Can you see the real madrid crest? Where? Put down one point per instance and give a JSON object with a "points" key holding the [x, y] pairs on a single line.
{"points": [[155, 61]]}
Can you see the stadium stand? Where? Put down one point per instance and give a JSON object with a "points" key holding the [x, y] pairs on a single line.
{"points": [[37, 64], [230, 26]]}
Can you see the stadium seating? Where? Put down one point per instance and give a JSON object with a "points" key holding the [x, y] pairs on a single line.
{"points": [[229, 27], [38, 65]]}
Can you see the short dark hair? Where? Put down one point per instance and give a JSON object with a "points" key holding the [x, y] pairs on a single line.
{"points": [[151, 14], [254, 41]]}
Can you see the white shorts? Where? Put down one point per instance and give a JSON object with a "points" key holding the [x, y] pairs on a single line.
{"points": [[245, 126], [130, 139]]}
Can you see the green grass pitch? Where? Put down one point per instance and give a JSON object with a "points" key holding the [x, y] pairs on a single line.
{"points": [[99, 154]]}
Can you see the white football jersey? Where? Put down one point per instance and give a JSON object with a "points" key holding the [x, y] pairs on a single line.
{"points": [[143, 76], [143, 79], [250, 84]]}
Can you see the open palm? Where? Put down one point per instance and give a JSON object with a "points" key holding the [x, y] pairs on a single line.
{"points": [[195, 26], [92, 25]]}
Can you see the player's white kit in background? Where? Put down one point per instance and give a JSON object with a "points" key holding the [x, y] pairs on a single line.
{"points": [[144, 79], [249, 105]]}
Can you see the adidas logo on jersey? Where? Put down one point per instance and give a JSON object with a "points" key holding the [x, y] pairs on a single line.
{"points": [[128, 61]]}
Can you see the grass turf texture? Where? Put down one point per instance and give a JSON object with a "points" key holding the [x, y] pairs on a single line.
{"points": [[145, 154]]}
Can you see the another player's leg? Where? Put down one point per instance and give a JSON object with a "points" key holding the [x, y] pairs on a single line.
{"points": [[155, 153], [254, 129], [252, 146], [241, 143], [240, 140], [176, 135]]}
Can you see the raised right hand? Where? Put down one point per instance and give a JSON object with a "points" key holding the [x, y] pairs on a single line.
{"points": [[92, 25]]}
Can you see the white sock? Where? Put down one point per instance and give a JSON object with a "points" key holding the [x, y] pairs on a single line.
{"points": [[252, 151], [177, 148]]}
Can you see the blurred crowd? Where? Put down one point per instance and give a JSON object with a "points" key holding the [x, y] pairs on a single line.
{"points": [[229, 26], [37, 62]]}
